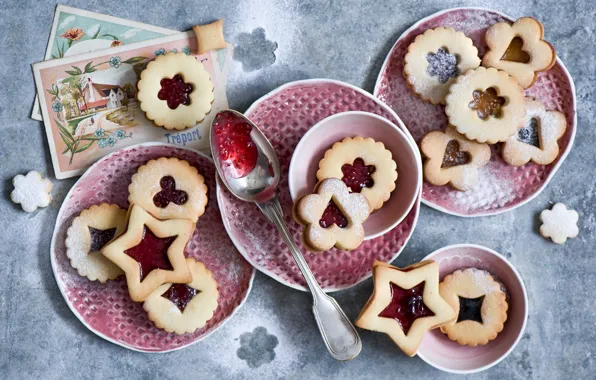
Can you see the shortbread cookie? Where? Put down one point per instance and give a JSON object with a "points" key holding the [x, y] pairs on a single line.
{"points": [[486, 105], [88, 234], [559, 223], [210, 36], [169, 188], [175, 91], [31, 191], [435, 59], [364, 165], [151, 252], [519, 50], [480, 304], [184, 308], [537, 139], [452, 159], [332, 216], [405, 304]]}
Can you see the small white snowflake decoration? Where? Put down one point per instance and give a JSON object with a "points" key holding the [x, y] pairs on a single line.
{"points": [[31, 191], [559, 223]]}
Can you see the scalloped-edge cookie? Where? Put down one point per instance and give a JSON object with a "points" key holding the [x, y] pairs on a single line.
{"points": [[169, 188], [184, 308], [364, 165], [88, 234], [31, 191], [559, 223], [435, 59], [175, 91]]}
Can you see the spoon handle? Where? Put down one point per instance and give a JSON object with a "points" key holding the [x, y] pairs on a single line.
{"points": [[340, 335]]}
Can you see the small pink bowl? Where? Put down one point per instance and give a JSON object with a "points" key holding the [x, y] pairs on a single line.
{"points": [[310, 150], [440, 352]]}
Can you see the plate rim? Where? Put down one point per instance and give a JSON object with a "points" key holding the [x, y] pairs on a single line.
{"points": [[401, 125], [555, 168], [62, 291]]}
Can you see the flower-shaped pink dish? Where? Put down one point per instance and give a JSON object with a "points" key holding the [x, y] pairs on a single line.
{"points": [[500, 187], [284, 116], [106, 309], [441, 352]]}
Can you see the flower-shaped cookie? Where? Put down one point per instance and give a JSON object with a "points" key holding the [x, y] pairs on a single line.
{"points": [[486, 105], [175, 91], [332, 217], [453, 159], [435, 58], [210, 36], [519, 50], [31, 191], [559, 223], [183, 308], [364, 165], [151, 252], [169, 188], [537, 139], [405, 304]]}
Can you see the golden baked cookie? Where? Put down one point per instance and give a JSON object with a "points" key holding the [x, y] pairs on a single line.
{"points": [[480, 304], [486, 105], [175, 91], [88, 234], [169, 188], [452, 159], [435, 59], [519, 49], [364, 165], [537, 140], [405, 304], [184, 308], [332, 216], [209, 36]]}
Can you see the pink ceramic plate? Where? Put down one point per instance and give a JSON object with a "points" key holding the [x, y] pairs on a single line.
{"points": [[441, 352], [284, 116], [501, 187], [106, 309]]}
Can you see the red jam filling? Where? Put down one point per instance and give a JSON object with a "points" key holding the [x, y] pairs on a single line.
{"points": [[333, 215], [180, 295], [175, 91], [99, 238], [470, 309], [151, 253], [237, 152], [406, 306], [169, 193], [358, 176]]}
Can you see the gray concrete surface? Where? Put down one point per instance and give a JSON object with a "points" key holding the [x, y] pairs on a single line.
{"points": [[274, 335]]}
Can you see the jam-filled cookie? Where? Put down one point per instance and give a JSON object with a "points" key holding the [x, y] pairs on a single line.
{"points": [[151, 252], [169, 188], [486, 105], [452, 159], [435, 59], [480, 304], [332, 216], [537, 140], [364, 165], [88, 234], [519, 49], [175, 91], [184, 308], [405, 304]]}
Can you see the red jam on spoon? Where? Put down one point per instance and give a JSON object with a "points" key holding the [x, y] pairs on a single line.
{"points": [[180, 295], [237, 152], [169, 193], [406, 306], [358, 175], [175, 91], [151, 253], [333, 215], [99, 238]]}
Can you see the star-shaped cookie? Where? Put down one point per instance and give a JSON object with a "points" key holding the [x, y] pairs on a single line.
{"points": [[405, 304], [151, 252]]}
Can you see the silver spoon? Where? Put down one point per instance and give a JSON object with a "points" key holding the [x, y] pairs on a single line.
{"points": [[258, 186]]}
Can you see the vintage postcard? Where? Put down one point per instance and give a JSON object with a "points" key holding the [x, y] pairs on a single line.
{"points": [[88, 102], [77, 31]]}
